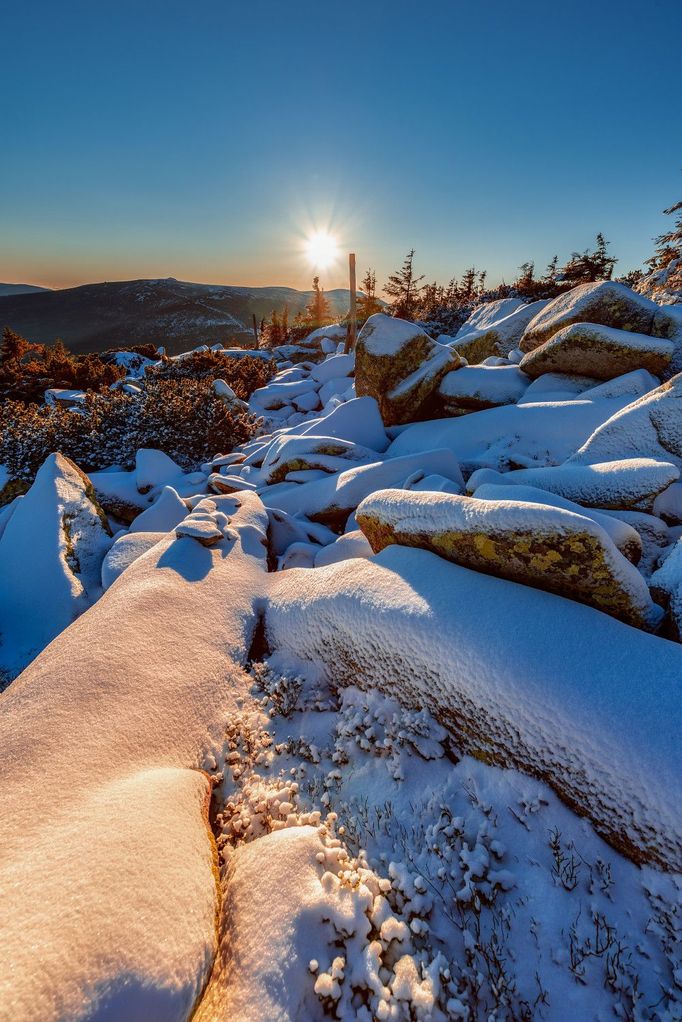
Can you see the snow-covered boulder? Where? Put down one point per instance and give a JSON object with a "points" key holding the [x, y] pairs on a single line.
{"points": [[332, 499], [154, 468], [496, 336], [124, 550], [631, 484], [400, 366], [51, 554], [604, 302], [488, 313], [358, 420], [623, 536], [546, 547], [298, 453], [540, 433], [473, 388], [351, 544], [599, 351], [163, 515], [117, 493], [557, 387], [110, 883], [521, 677], [649, 427]]}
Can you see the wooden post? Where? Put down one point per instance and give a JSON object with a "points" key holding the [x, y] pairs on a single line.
{"points": [[353, 322], [255, 329]]}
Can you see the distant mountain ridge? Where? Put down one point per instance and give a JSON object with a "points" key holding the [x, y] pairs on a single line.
{"points": [[20, 289], [177, 314]]}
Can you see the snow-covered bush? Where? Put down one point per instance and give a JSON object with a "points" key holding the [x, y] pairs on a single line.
{"points": [[243, 375], [185, 418]]}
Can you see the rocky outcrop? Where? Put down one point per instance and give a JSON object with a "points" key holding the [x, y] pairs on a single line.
{"points": [[541, 546], [606, 303], [498, 337], [401, 366], [598, 351]]}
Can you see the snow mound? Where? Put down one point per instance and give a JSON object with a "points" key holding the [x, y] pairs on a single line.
{"points": [[124, 550], [51, 553], [585, 702], [547, 547], [632, 484], [498, 336], [110, 882], [649, 427], [163, 515]]}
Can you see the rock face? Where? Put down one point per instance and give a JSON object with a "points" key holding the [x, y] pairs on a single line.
{"points": [[476, 387], [400, 366], [598, 351], [50, 558], [649, 427], [541, 546], [498, 337], [606, 303]]}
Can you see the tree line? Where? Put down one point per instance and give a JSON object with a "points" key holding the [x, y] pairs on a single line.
{"points": [[442, 308]]}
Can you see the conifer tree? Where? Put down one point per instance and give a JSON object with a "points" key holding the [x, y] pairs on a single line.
{"points": [[585, 267], [367, 301], [669, 244], [404, 288], [318, 312]]}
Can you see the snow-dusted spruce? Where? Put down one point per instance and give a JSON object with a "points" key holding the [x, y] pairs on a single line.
{"points": [[522, 678], [548, 547], [108, 864], [606, 303], [400, 366], [599, 351]]}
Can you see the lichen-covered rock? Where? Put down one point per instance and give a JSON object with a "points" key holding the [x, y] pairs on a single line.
{"points": [[545, 547], [401, 366], [299, 453], [498, 337], [625, 537], [631, 484], [649, 427], [598, 351], [473, 388], [604, 302]]}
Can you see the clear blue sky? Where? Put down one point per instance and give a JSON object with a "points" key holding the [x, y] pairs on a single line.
{"points": [[200, 140]]}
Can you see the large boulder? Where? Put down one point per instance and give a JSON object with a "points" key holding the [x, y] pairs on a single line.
{"points": [[401, 366], [632, 484], [545, 547], [476, 387], [497, 336], [522, 678], [604, 302], [304, 453], [51, 553], [649, 427], [601, 352]]}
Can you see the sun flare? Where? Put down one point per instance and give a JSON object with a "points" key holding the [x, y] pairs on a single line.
{"points": [[321, 249]]}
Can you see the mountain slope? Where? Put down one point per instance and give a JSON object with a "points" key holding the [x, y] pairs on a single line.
{"points": [[20, 289], [177, 314]]}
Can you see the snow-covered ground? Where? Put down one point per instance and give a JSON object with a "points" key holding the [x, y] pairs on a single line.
{"points": [[342, 724]]}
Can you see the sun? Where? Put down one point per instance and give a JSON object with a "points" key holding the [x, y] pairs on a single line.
{"points": [[321, 249]]}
